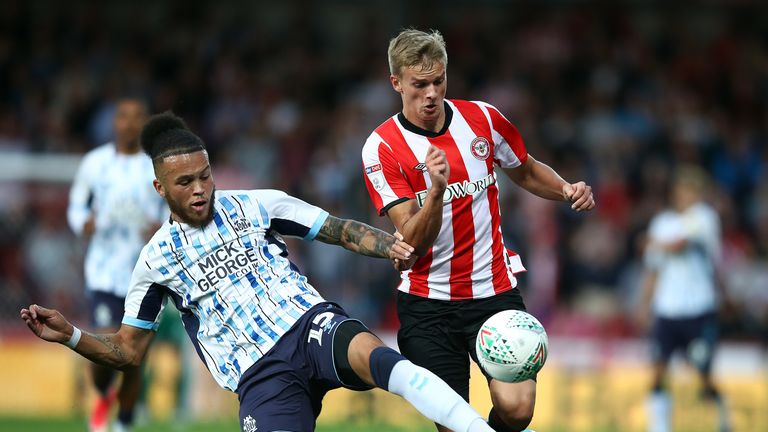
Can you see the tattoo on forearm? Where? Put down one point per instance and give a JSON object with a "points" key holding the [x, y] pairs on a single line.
{"points": [[115, 354], [331, 230], [357, 237], [371, 241]]}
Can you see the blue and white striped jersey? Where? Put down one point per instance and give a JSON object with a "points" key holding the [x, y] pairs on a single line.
{"points": [[117, 189], [231, 280]]}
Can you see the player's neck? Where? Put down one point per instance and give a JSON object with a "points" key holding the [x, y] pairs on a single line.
{"points": [[684, 206], [411, 122], [127, 149], [434, 126]]}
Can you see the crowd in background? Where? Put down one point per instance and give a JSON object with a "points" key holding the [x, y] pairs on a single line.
{"points": [[285, 95]]}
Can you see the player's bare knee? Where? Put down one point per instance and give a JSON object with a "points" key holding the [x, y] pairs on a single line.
{"points": [[515, 408], [361, 346], [353, 344]]}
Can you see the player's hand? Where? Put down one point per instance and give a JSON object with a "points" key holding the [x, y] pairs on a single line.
{"points": [[580, 195], [643, 318], [401, 254], [47, 324], [437, 167]]}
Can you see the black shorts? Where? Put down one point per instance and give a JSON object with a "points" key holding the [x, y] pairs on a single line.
{"points": [[696, 336], [106, 309], [438, 334]]}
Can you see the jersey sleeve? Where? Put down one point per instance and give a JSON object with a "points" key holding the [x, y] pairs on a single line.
{"points": [[291, 216], [384, 180], [80, 196], [145, 299], [509, 151]]}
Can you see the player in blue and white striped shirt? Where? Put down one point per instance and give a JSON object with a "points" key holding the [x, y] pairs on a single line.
{"points": [[260, 328], [113, 205]]}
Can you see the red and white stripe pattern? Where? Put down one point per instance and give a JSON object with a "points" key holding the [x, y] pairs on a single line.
{"points": [[468, 259]]}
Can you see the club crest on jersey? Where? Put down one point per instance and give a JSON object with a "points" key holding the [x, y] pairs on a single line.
{"points": [[249, 424], [179, 255], [480, 148], [242, 224]]}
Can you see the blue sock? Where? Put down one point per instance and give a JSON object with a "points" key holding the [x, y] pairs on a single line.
{"points": [[383, 359]]}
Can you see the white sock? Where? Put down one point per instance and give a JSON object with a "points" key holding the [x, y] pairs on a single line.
{"points": [[434, 398], [722, 410], [659, 412], [479, 425]]}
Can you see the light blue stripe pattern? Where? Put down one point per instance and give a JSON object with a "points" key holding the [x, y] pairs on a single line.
{"points": [[142, 324], [244, 294], [316, 227]]}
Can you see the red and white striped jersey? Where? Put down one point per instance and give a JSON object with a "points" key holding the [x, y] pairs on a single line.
{"points": [[468, 259]]}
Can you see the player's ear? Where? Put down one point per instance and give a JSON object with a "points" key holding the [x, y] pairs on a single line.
{"points": [[395, 80], [158, 187]]}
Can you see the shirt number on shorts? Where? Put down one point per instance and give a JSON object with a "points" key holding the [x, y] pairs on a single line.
{"points": [[318, 325]]}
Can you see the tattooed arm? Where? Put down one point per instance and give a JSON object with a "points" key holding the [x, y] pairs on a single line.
{"points": [[120, 350], [363, 239]]}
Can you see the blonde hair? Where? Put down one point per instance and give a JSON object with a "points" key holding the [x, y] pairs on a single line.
{"points": [[691, 177], [414, 47]]}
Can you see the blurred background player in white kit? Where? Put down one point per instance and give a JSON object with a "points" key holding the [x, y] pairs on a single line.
{"points": [[114, 207], [681, 291]]}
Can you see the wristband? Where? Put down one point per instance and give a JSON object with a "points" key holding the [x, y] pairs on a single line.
{"points": [[75, 338]]}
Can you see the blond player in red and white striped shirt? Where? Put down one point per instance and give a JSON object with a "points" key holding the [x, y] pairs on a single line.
{"points": [[430, 168]]}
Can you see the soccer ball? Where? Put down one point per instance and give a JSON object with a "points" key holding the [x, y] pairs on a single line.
{"points": [[512, 346]]}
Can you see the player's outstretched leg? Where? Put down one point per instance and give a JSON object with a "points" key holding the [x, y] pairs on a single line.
{"points": [[379, 365]]}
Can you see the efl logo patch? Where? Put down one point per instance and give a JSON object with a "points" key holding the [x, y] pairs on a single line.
{"points": [[377, 180], [480, 148], [372, 169]]}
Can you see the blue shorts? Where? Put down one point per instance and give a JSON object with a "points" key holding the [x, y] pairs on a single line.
{"points": [[106, 309], [283, 391], [696, 336]]}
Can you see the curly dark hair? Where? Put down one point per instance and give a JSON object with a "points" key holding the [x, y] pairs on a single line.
{"points": [[166, 134]]}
